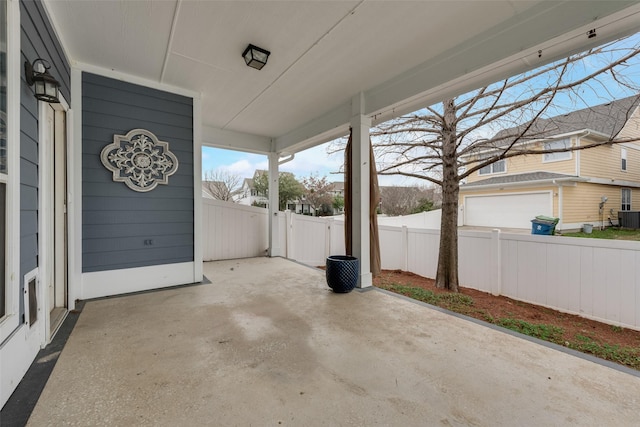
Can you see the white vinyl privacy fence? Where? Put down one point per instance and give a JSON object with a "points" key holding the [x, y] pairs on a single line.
{"points": [[230, 230], [594, 278]]}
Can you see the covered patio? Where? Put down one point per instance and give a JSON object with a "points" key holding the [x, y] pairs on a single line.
{"points": [[267, 343]]}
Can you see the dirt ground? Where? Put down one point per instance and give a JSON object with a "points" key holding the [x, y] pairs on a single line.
{"points": [[501, 307]]}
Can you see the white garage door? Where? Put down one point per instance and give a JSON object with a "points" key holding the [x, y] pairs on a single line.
{"points": [[509, 210]]}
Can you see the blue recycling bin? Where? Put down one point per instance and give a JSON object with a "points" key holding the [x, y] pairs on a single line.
{"points": [[549, 219], [545, 228]]}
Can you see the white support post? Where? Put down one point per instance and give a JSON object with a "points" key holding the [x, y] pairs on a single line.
{"points": [[274, 206], [327, 236], [288, 252], [405, 248], [74, 188], [560, 207], [197, 186], [496, 263], [360, 125]]}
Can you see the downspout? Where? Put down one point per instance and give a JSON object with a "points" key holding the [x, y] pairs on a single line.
{"points": [[281, 161], [288, 158], [559, 184], [584, 134], [578, 171]]}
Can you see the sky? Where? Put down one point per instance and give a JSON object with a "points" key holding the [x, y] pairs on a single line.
{"points": [[318, 160], [314, 161]]}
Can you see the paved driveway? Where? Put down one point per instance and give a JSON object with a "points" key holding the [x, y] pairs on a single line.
{"points": [[267, 344]]}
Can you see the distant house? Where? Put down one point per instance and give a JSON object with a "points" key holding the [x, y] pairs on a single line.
{"points": [[584, 186], [249, 195], [337, 189]]}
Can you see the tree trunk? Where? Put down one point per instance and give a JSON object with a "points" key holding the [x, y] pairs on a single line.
{"points": [[447, 275]]}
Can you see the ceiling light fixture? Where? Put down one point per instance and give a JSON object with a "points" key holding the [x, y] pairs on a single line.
{"points": [[46, 87], [255, 57]]}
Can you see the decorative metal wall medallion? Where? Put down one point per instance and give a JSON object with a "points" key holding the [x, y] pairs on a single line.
{"points": [[139, 160]]}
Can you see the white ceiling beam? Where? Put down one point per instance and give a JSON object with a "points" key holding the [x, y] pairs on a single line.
{"points": [[325, 128], [130, 78], [479, 62], [482, 60], [238, 141]]}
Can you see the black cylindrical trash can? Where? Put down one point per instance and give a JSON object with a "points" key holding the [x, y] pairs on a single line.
{"points": [[342, 273]]}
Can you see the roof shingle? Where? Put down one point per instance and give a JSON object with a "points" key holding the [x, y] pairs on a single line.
{"points": [[519, 178], [607, 119]]}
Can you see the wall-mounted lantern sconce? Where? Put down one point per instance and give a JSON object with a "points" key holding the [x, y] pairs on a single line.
{"points": [[255, 56], [46, 87]]}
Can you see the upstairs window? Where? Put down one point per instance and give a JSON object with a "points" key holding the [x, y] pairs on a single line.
{"points": [[497, 167], [556, 145], [623, 159], [626, 199]]}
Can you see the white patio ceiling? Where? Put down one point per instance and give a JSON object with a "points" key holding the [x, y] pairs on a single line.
{"points": [[400, 54]]}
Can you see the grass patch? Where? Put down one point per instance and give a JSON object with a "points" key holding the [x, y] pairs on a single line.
{"points": [[628, 356], [612, 233], [450, 301], [544, 332]]}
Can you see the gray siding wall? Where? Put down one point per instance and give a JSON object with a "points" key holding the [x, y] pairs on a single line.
{"points": [[37, 41], [116, 221]]}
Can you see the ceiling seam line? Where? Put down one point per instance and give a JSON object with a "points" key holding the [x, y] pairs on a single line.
{"points": [[330, 30], [174, 23], [201, 62]]}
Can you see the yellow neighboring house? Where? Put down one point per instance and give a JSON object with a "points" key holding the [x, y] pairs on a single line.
{"points": [[579, 187]]}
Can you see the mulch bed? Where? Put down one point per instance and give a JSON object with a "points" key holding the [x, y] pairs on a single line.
{"points": [[485, 304]]}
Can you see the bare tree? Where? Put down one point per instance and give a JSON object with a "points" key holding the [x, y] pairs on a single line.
{"points": [[402, 200], [447, 142], [222, 185], [317, 191]]}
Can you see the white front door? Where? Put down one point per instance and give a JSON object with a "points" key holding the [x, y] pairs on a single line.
{"points": [[56, 228]]}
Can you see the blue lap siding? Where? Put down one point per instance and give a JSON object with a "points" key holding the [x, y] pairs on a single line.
{"points": [[122, 228]]}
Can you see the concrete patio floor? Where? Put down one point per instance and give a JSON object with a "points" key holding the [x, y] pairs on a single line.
{"points": [[266, 343]]}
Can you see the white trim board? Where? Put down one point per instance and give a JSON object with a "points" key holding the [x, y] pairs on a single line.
{"points": [[17, 355], [116, 282], [74, 189], [197, 184], [614, 182], [140, 81], [11, 320]]}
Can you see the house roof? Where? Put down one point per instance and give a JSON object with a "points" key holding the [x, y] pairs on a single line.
{"points": [[337, 186], [325, 55], [607, 119], [527, 177], [248, 182]]}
